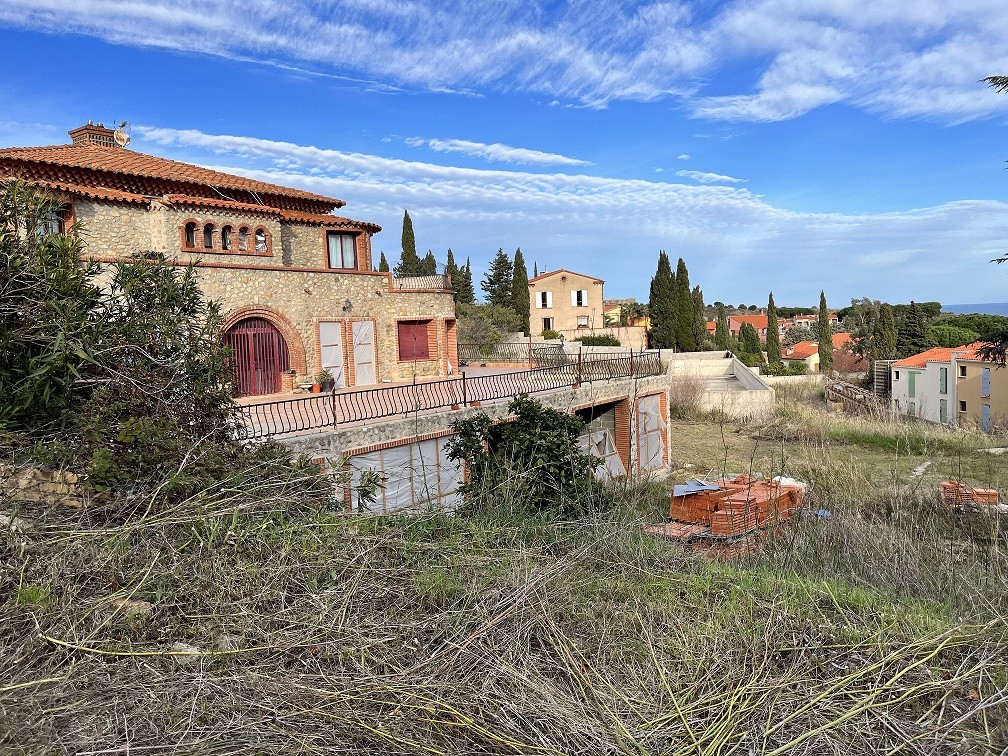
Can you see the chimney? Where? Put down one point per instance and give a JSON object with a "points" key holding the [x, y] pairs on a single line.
{"points": [[93, 134]]}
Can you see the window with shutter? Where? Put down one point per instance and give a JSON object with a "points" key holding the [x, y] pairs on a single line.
{"points": [[413, 340]]}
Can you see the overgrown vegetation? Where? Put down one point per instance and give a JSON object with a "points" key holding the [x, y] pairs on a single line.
{"points": [[602, 339]]}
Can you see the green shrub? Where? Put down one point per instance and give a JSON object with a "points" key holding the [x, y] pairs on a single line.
{"points": [[604, 340], [550, 335], [535, 459]]}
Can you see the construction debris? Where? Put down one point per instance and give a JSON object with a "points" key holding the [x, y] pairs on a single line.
{"points": [[957, 494], [730, 508]]}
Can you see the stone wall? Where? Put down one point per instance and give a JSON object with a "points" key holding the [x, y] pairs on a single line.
{"points": [[114, 229], [304, 298], [33, 484]]}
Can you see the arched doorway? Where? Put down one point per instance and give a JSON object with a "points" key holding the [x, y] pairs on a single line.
{"points": [[258, 356]]}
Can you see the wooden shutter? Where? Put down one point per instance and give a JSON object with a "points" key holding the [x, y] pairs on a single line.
{"points": [[413, 340]]}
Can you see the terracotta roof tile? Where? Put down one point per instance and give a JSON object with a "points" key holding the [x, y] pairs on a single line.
{"points": [[124, 161], [940, 354], [564, 270], [801, 351], [333, 221], [186, 200], [94, 192], [841, 339], [756, 321]]}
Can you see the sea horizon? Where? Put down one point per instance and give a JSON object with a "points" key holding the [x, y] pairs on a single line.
{"points": [[983, 308]]}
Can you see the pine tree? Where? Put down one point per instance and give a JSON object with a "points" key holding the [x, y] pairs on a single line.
{"points": [[409, 263], [684, 317], [699, 321], [520, 299], [883, 338], [383, 264], [721, 330], [496, 283], [428, 266], [464, 292], [661, 305], [772, 334], [911, 332], [825, 336]]}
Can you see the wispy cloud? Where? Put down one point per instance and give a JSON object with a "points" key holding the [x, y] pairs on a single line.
{"points": [[710, 178], [684, 156], [734, 241], [901, 59], [500, 153]]}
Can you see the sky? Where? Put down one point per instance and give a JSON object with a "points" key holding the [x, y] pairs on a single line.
{"points": [[775, 145]]}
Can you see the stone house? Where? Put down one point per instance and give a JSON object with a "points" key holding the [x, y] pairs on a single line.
{"points": [[295, 282], [565, 301]]}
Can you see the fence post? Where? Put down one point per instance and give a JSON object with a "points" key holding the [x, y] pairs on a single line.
{"points": [[465, 396], [578, 377], [332, 400]]}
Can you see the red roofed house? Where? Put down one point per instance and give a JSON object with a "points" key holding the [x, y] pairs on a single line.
{"points": [[565, 301], [806, 352], [951, 385], [295, 283]]}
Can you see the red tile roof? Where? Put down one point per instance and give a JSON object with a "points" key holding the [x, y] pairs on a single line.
{"points": [[333, 221], [85, 158], [841, 339], [247, 207], [801, 351], [95, 192], [756, 321], [940, 354], [564, 270]]}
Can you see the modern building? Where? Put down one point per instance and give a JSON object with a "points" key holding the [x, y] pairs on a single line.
{"points": [[295, 282], [564, 301], [956, 386]]}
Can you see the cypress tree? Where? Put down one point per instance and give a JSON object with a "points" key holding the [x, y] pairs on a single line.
{"points": [[684, 318], [773, 334], [520, 291], [452, 271], [409, 263], [699, 321], [497, 282], [911, 332], [535, 269], [428, 266], [883, 339], [383, 264], [661, 305], [721, 330], [750, 341], [825, 336], [464, 292]]}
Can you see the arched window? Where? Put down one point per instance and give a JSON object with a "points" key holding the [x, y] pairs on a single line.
{"points": [[190, 234], [260, 240], [243, 239], [208, 236], [225, 238]]}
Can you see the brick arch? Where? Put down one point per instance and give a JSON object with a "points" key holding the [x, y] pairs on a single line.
{"points": [[295, 346]]}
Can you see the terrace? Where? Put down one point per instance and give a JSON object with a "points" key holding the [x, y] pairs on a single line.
{"points": [[473, 387]]}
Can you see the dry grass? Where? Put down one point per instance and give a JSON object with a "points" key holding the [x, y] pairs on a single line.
{"points": [[272, 624]]}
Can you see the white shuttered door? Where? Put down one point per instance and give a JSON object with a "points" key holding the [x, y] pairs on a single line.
{"points": [[331, 346], [364, 353]]}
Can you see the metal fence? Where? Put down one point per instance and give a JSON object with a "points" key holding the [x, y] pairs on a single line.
{"points": [[358, 405], [421, 283], [513, 352]]}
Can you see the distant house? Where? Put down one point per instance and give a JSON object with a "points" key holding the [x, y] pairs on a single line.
{"points": [[563, 300], [806, 352], [759, 322], [844, 359], [954, 386]]}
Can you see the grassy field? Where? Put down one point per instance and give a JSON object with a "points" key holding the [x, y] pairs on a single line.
{"points": [[266, 621]]}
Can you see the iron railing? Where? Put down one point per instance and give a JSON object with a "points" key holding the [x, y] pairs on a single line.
{"points": [[513, 352], [359, 405]]}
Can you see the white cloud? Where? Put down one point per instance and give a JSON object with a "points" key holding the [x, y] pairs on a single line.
{"points": [[710, 178], [496, 152], [737, 245], [684, 156], [898, 58]]}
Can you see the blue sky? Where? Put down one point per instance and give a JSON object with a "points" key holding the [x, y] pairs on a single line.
{"points": [[773, 144]]}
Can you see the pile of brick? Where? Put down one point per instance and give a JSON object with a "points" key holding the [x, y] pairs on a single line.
{"points": [[733, 507], [41, 484], [956, 495]]}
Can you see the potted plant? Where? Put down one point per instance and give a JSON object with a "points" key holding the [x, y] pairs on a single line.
{"points": [[324, 381]]}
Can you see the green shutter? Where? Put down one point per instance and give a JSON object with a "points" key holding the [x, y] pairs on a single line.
{"points": [[943, 409], [911, 409], [912, 377], [943, 381]]}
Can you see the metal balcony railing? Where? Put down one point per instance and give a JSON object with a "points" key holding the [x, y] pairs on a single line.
{"points": [[358, 405], [422, 283]]}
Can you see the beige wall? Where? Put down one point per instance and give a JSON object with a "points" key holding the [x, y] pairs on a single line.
{"points": [[968, 390], [565, 316]]}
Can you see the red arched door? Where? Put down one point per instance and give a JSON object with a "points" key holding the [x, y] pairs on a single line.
{"points": [[258, 356]]}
